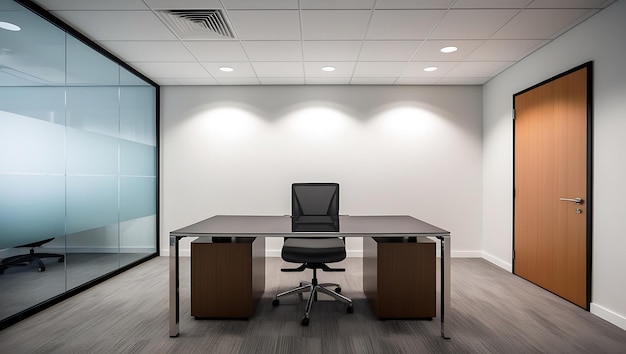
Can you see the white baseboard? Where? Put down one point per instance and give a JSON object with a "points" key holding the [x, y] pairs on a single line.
{"points": [[497, 261], [465, 254], [608, 315]]}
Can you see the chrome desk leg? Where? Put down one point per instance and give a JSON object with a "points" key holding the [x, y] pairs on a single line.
{"points": [[445, 284], [174, 285]]}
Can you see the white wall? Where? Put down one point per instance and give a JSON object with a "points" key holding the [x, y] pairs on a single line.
{"points": [[394, 150], [601, 39]]}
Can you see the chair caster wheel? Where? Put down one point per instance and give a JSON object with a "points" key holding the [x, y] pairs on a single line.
{"points": [[338, 290], [350, 309], [275, 302], [305, 321]]}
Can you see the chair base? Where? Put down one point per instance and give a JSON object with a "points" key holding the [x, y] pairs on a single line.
{"points": [[313, 287], [26, 259]]}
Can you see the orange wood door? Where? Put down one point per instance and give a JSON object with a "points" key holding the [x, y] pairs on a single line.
{"points": [[551, 234]]}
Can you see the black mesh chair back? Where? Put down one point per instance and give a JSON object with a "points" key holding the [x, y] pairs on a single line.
{"points": [[315, 206]]}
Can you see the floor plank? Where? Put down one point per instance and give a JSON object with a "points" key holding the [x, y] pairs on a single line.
{"points": [[493, 311]]}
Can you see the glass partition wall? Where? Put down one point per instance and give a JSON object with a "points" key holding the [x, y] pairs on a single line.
{"points": [[78, 164]]}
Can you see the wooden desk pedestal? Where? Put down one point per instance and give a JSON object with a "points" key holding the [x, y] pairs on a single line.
{"points": [[227, 278], [399, 277]]}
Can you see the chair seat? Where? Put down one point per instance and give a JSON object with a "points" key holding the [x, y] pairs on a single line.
{"points": [[313, 250]]}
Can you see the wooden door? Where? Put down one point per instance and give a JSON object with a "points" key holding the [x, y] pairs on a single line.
{"points": [[552, 230]]}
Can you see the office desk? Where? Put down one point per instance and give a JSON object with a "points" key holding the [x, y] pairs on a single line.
{"points": [[281, 226]]}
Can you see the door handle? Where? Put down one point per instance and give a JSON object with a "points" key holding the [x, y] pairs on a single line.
{"points": [[575, 200]]}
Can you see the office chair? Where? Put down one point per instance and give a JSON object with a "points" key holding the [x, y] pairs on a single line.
{"points": [[25, 259], [314, 208]]}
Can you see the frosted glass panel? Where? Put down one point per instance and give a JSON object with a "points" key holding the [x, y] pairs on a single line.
{"points": [[85, 66], [32, 208], [137, 159], [95, 109], [129, 79], [34, 56], [137, 239], [44, 103], [137, 112], [97, 240], [71, 119], [137, 197], [30, 145], [91, 254], [90, 153], [91, 202]]}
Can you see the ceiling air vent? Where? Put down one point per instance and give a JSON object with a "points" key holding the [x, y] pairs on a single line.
{"points": [[197, 24]]}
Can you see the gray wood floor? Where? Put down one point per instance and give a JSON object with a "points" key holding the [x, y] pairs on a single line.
{"points": [[492, 312]]}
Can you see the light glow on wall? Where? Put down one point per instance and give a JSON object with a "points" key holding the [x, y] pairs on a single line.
{"points": [[407, 122], [318, 123], [228, 124]]}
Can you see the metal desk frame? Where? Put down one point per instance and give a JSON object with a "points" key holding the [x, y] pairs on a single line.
{"points": [[266, 226]]}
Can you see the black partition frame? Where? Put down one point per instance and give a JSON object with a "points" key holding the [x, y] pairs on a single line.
{"points": [[38, 10]]}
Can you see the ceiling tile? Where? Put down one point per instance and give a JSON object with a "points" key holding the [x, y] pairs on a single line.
{"points": [[491, 4], [217, 50], [505, 50], [337, 4], [342, 69], [278, 69], [162, 51], [194, 81], [328, 81], [471, 24], [477, 69], [182, 4], [54, 5], [273, 50], [417, 69], [171, 70], [413, 4], [388, 50], [238, 81], [431, 50], [463, 80], [416, 81], [571, 4], [334, 25], [403, 24], [372, 81], [379, 69], [331, 50], [242, 69], [279, 41], [259, 5], [129, 25], [281, 80], [266, 24], [539, 24]]}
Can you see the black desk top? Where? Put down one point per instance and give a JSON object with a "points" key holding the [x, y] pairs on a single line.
{"points": [[281, 226]]}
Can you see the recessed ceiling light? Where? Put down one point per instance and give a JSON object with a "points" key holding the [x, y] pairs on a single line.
{"points": [[430, 68], [9, 26], [226, 69], [328, 68], [450, 49]]}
